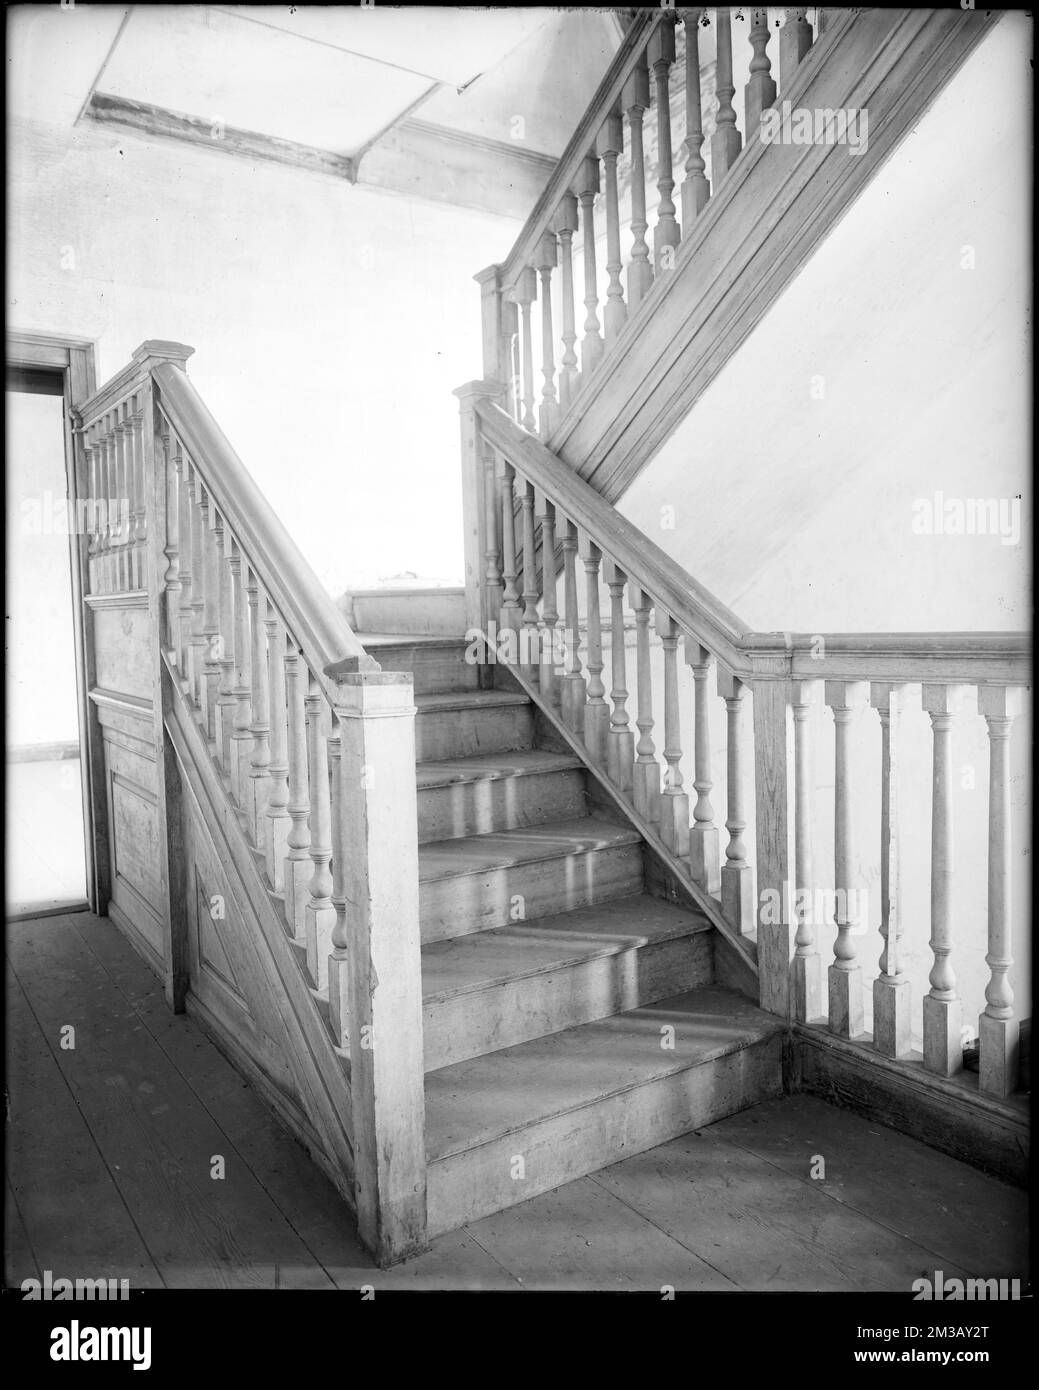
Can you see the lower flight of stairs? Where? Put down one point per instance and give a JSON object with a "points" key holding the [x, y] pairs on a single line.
{"points": [[570, 1017]]}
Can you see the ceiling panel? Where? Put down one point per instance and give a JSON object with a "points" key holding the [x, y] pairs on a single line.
{"points": [[547, 82], [206, 63], [53, 56], [446, 44]]}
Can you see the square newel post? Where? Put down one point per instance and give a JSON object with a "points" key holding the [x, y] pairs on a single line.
{"points": [[480, 518], [772, 829], [377, 846]]}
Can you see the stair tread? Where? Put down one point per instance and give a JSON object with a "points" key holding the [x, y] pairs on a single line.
{"points": [[493, 766], [500, 849], [481, 960], [408, 639], [467, 699], [481, 1100]]}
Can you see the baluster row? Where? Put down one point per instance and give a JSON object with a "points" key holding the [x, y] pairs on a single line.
{"points": [[115, 514], [596, 188]]}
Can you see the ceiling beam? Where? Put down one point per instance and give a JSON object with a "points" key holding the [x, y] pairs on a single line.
{"points": [[139, 118]]}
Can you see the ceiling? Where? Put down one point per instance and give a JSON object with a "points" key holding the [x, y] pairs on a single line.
{"points": [[466, 106]]}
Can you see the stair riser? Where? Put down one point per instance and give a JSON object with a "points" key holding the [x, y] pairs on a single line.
{"points": [[499, 803], [464, 1187], [465, 733], [436, 614], [434, 670], [472, 1024], [473, 902]]}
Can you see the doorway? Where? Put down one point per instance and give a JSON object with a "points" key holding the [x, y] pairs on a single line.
{"points": [[47, 856]]}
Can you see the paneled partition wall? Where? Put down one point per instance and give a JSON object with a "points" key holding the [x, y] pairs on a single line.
{"points": [[256, 769], [792, 896]]}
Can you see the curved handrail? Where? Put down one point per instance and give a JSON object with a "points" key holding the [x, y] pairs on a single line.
{"points": [[939, 657], [327, 641]]}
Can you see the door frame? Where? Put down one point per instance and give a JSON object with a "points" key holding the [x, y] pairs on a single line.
{"points": [[76, 361]]}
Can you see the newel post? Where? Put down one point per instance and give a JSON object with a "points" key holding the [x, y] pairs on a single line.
{"points": [[480, 514], [377, 851], [773, 831]]}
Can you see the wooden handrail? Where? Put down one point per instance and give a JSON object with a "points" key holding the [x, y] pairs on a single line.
{"points": [[607, 94], [935, 657], [326, 639]]}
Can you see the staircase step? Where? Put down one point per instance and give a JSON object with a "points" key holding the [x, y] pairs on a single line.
{"points": [[511, 1124], [518, 875], [436, 663], [494, 989], [500, 791], [423, 611], [464, 723]]}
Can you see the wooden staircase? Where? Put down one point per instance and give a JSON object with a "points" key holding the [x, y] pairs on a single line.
{"points": [[569, 1015]]}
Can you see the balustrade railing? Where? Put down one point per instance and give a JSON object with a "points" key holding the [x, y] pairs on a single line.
{"points": [[660, 139], [791, 683], [314, 743]]}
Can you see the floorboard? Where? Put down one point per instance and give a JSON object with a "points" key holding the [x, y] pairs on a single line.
{"points": [[110, 1146]]}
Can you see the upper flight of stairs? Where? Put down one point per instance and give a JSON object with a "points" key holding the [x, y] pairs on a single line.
{"points": [[570, 1017]]}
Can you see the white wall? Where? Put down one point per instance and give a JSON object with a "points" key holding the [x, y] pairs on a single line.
{"points": [[330, 324], [796, 511]]}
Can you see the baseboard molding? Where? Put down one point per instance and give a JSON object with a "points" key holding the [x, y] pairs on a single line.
{"points": [[948, 1114]]}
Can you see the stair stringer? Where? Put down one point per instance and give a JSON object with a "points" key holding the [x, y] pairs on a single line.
{"points": [[310, 1092], [667, 877]]}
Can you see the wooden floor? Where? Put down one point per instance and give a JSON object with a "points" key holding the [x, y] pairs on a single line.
{"points": [[112, 1146]]}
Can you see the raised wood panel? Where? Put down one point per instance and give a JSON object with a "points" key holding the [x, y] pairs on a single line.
{"points": [[209, 955], [122, 650], [134, 845]]}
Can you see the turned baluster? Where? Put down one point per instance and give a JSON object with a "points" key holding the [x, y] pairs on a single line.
{"points": [[127, 500], [211, 617], [546, 261], [943, 1009], [704, 847], [892, 996], [736, 876], [93, 511], [549, 611], [586, 186], [510, 354], [621, 743], [998, 1029], [596, 711], [260, 758], [226, 701], [726, 140], [120, 527], [492, 532], [297, 868], [565, 225], [529, 655], [278, 818], [510, 604], [320, 912], [185, 510], [661, 55], [573, 694], [674, 802], [241, 732], [795, 39], [646, 773], [695, 188], [198, 593], [807, 973], [104, 459], [139, 530], [822, 20], [760, 91], [526, 293], [609, 145], [636, 102], [170, 468], [845, 974], [339, 937], [111, 508]]}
